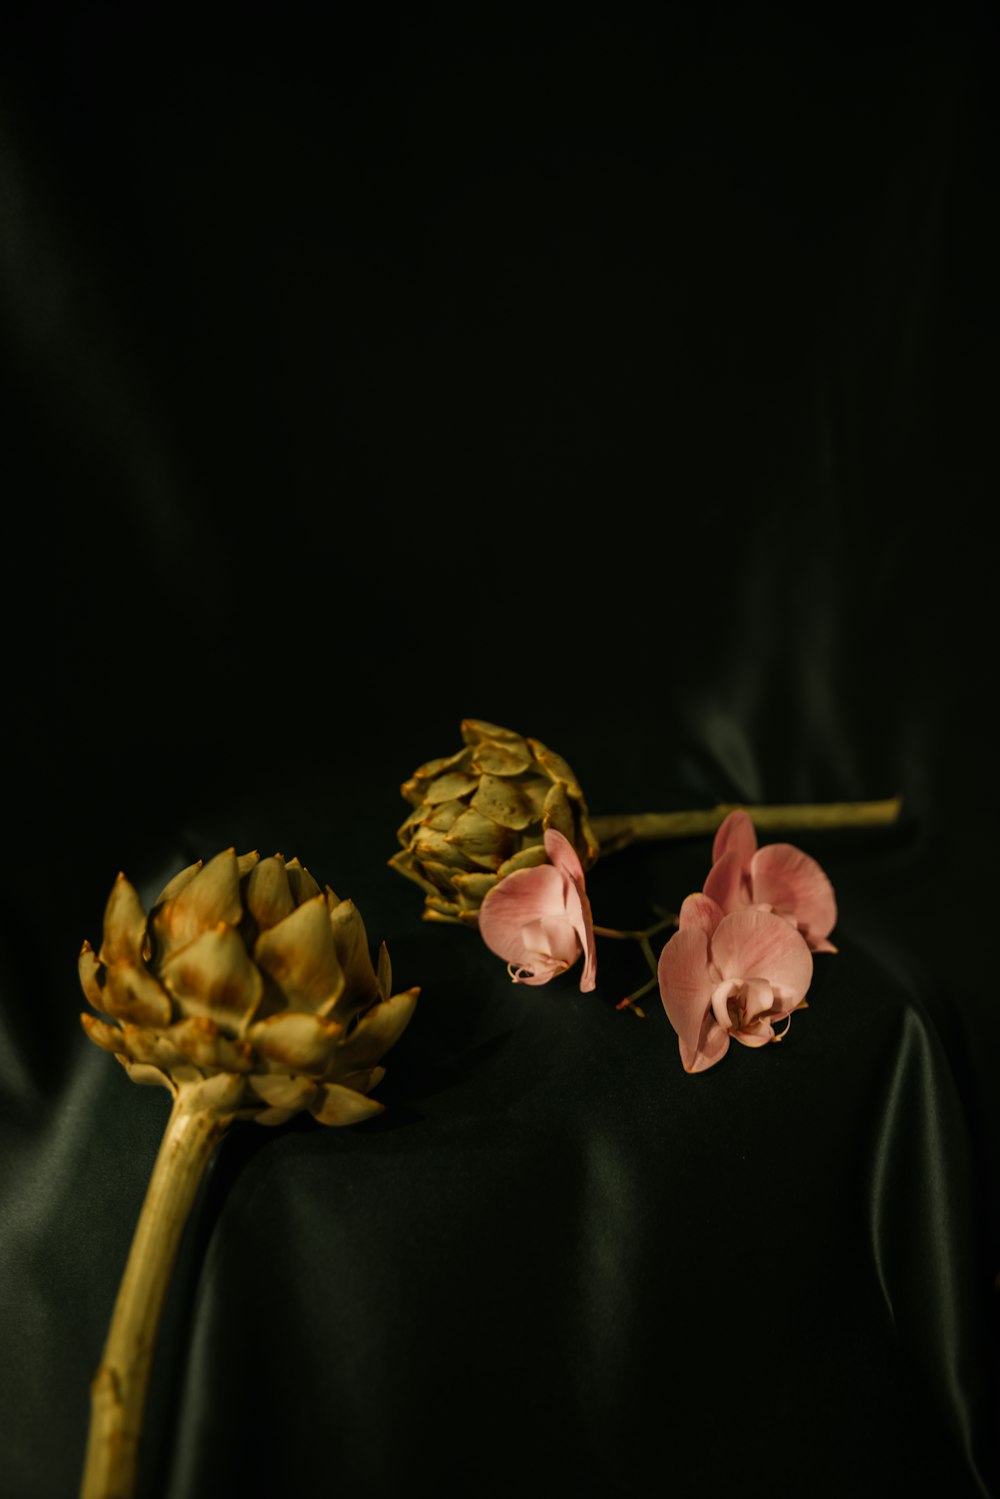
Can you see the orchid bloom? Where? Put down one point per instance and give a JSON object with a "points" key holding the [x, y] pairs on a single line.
{"points": [[726, 978], [539, 919], [778, 878]]}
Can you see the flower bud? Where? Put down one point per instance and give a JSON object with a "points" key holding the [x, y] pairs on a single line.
{"points": [[482, 813], [249, 982]]}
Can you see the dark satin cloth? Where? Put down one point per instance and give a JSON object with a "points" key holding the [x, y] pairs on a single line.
{"points": [[628, 384], [555, 1254]]}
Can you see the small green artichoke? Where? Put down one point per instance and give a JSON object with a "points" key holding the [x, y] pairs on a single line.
{"points": [[482, 813], [250, 987]]}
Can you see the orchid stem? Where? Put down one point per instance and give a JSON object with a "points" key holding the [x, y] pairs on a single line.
{"points": [[629, 1002], [616, 832], [642, 935], [118, 1390]]}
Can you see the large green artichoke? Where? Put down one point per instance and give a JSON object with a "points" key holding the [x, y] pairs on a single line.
{"points": [[250, 987], [481, 814]]}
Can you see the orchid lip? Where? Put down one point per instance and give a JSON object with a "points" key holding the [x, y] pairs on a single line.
{"points": [[521, 973]]}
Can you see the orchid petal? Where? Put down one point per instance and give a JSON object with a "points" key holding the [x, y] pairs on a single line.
{"points": [[565, 858], [758, 999], [686, 990], [785, 878], [727, 883], [721, 995], [553, 937], [759, 1034], [757, 944], [700, 911], [713, 1044], [516, 902], [588, 978], [539, 970], [736, 835], [539, 919]]}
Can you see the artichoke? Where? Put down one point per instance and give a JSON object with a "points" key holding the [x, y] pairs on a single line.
{"points": [[482, 813], [249, 989]]}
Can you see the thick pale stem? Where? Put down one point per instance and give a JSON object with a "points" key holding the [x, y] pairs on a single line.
{"points": [[118, 1390], [617, 832]]}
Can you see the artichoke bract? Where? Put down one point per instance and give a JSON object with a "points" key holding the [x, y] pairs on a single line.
{"points": [[482, 813], [247, 987]]}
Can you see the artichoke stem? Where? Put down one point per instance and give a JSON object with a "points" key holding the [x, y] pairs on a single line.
{"points": [[118, 1390], [616, 832]]}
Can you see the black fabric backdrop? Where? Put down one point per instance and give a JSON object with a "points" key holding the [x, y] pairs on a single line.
{"points": [[627, 381]]}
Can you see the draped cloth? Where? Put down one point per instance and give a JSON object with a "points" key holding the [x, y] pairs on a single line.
{"points": [[630, 385]]}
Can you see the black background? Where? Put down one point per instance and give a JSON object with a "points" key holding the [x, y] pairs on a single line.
{"points": [[367, 373], [626, 380]]}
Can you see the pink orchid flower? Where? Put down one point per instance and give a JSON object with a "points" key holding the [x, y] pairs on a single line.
{"points": [[726, 978], [539, 919], [778, 878]]}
